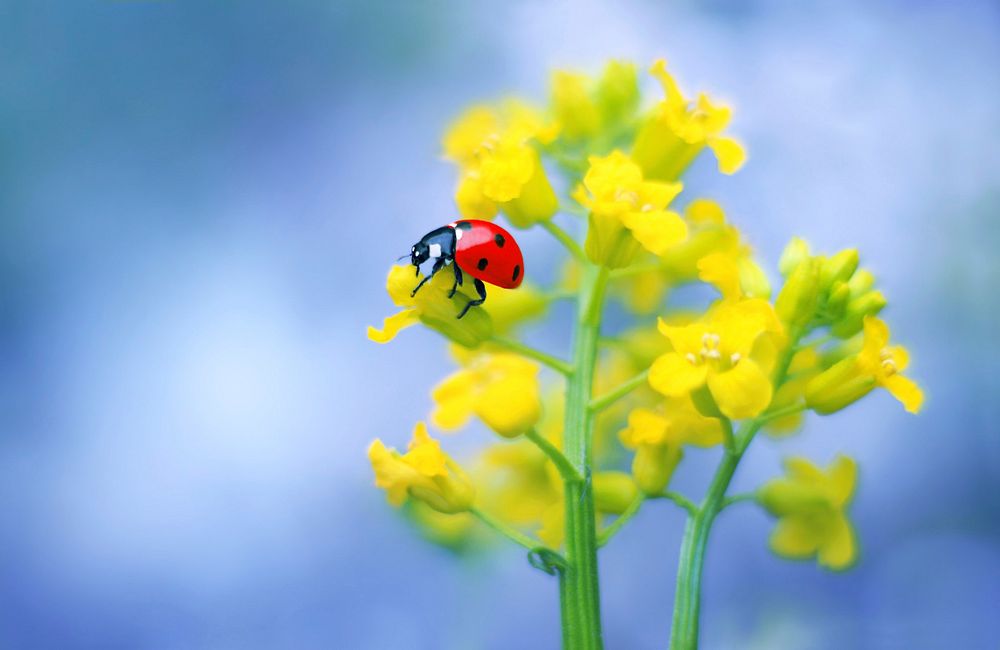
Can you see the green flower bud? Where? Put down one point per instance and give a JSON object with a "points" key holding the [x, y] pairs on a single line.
{"points": [[780, 497], [837, 387], [795, 252], [753, 280], [836, 304], [867, 304], [861, 282], [796, 304], [609, 243], [617, 91], [839, 268], [653, 466], [613, 492]]}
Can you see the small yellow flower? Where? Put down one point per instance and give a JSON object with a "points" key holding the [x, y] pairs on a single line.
{"points": [[805, 364], [516, 482], [584, 108], [613, 492], [424, 473], [658, 437], [573, 107], [431, 306], [810, 504], [679, 130], [452, 531], [736, 276], [500, 167], [501, 389], [627, 212], [716, 350], [878, 364]]}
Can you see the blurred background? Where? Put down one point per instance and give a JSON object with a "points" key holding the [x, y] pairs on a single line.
{"points": [[198, 205]]}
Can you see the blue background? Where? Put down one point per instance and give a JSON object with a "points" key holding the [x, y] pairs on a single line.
{"points": [[198, 203]]}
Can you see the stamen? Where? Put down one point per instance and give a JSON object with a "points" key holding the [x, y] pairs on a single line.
{"points": [[735, 358], [714, 354], [691, 358]]}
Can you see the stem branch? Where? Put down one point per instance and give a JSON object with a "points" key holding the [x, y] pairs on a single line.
{"points": [[510, 533], [566, 469], [598, 404], [556, 364]]}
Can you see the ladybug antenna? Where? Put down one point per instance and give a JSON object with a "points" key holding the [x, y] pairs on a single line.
{"points": [[402, 257]]}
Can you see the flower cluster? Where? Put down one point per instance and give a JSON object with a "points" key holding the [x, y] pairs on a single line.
{"points": [[582, 443]]}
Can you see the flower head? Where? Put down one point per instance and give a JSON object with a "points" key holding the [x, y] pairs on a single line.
{"points": [[658, 437], [627, 212], [716, 350], [810, 504], [680, 128], [500, 168], [424, 472], [501, 389], [431, 306]]}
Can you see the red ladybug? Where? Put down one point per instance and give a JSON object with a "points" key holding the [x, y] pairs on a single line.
{"points": [[482, 249]]}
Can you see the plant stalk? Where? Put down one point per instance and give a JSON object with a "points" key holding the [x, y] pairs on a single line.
{"points": [[579, 591]]}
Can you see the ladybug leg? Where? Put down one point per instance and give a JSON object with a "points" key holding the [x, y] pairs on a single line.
{"points": [[481, 290], [438, 265], [458, 281]]}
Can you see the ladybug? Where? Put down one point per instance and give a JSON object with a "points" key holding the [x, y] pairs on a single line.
{"points": [[482, 249]]}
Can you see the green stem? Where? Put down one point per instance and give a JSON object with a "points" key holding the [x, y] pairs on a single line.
{"points": [[527, 351], [687, 598], [598, 404], [565, 239], [566, 469], [622, 519], [510, 533], [581, 609], [678, 499]]}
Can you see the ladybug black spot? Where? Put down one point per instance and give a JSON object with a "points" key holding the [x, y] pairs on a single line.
{"points": [[517, 273], [483, 262], [498, 238]]}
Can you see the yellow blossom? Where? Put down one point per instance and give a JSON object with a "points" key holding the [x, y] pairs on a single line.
{"points": [[810, 504], [431, 306], [680, 128], [501, 389], [878, 364], [627, 212], [452, 531], [424, 472], [657, 438], [500, 168], [716, 351], [575, 110], [805, 364]]}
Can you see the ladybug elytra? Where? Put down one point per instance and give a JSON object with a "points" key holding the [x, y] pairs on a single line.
{"points": [[482, 249]]}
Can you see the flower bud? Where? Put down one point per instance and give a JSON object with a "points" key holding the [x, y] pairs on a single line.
{"points": [[837, 387], [795, 252], [613, 492], [617, 92], [781, 497], [796, 304], [867, 304], [653, 466], [753, 280], [575, 111], [609, 243], [861, 282], [836, 304], [537, 200], [839, 268]]}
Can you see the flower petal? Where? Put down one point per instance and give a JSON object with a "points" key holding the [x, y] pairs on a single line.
{"points": [[741, 392], [842, 474], [454, 398], [392, 325], [656, 230], [730, 154], [906, 391], [839, 550], [645, 427], [673, 375], [794, 537]]}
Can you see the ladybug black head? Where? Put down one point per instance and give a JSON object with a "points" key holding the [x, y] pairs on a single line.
{"points": [[419, 253]]}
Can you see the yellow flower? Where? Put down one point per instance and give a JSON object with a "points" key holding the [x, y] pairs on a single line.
{"points": [[613, 492], [517, 483], [501, 389], [736, 276], [452, 531], [716, 351], [658, 437], [499, 165], [810, 504], [627, 212], [805, 364], [679, 130], [573, 107], [431, 306], [878, 364], [424, 473]]}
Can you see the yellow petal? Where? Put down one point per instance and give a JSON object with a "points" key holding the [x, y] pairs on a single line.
{"points": [[656, 230], [744, 391], [842, 476], [906, 391], [722, 271], [673, 375], [454, 398], [424, 453], [684, 338], [839, 550], [876, 337], [510, 405], [645, 427], [392, 325], [470, 199], [730, 154], [793, 537]]}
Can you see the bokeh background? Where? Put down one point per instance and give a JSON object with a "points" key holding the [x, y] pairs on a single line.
{"points": [[198, 204]]}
